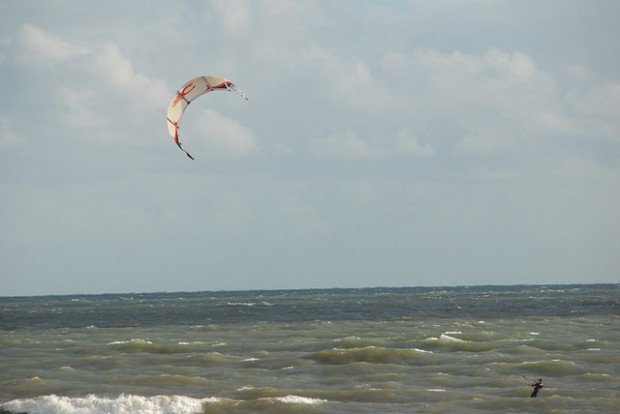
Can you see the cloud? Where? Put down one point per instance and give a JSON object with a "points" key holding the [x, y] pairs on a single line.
{"points": [[37, 46], [119, 72], [349, 145], [556, 123], [74, 108], [234, 16], [8, 137], [598, 110], [92, 66], [492, 99], [344, 145], [457, 83], [95, 93], [218, 135], [300, 217], [408, 144]]}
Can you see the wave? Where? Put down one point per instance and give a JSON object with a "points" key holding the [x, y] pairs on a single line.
{"points": [[144, 345], [250, 304], [158, 404], [555, 367], [92, 404], [212, 358], [597, 377], [277, 404], [357, 342], [452, 343], [445, 337], [373, 355]]}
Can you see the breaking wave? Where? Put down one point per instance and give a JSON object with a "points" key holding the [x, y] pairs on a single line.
{"points": [[92, 404], [144, 345], [446, 341], [159, 404], [373, 355]]}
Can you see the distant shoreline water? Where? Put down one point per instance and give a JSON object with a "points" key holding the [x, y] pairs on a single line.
{"points": [[314, 289], [360, 350]]}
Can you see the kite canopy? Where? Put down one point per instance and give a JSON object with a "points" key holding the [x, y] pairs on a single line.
{"points": [[186, 94]]}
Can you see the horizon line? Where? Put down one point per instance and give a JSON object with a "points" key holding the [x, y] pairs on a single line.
{"points": [[163, 292]]}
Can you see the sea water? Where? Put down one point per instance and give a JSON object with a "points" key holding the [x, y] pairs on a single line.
{"points": [[383, 350]]}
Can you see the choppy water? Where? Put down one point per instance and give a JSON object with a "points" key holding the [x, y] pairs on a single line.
{"points": [[430, 350]]}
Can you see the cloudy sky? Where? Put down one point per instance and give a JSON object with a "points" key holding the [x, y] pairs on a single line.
{"points": [[397, 143]]}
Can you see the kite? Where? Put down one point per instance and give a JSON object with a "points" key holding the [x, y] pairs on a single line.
{"points": [[187, 93]]}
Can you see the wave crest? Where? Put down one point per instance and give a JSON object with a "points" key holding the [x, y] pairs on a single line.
{"points": [[92, 404], [373, 355], [144, 345]]}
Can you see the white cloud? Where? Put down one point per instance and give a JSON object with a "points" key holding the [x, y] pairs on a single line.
{"points": [[97, 64], [8, 137], [344, 145], [598, 108], [556, 123], [408, 144], [75, 109], [119, 71], [350, 145], [96, 92], [235, 16], [218, 135], [302, 218], [488, 140], [493, 98], [400, 91], [457, 81], [492, 174], [37, 46]]}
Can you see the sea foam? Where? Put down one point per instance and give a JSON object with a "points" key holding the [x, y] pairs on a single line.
{"points": [[123, 404]]}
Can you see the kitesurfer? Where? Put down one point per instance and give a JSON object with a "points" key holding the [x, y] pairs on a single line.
{"points": [[537, 386]]}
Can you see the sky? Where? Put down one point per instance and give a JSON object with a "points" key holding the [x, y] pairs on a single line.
{"points": [[400, 143]]}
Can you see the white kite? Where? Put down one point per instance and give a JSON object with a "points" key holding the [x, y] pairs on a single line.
{"points": [[187, 93]]}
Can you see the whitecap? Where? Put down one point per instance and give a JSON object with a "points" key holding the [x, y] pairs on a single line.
{"points": [[246, 388], [348, 338], [131, 341], [92, 404], [296, 399], [436, 389], [449, 338]]}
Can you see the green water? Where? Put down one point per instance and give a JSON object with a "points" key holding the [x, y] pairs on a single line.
{"points": [[351, 351]]}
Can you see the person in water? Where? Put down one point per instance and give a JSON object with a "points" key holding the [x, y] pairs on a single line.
{"points": [[537, 386]]}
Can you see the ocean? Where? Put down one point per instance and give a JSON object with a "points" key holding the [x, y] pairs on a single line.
{"points": [[379, 350]]}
